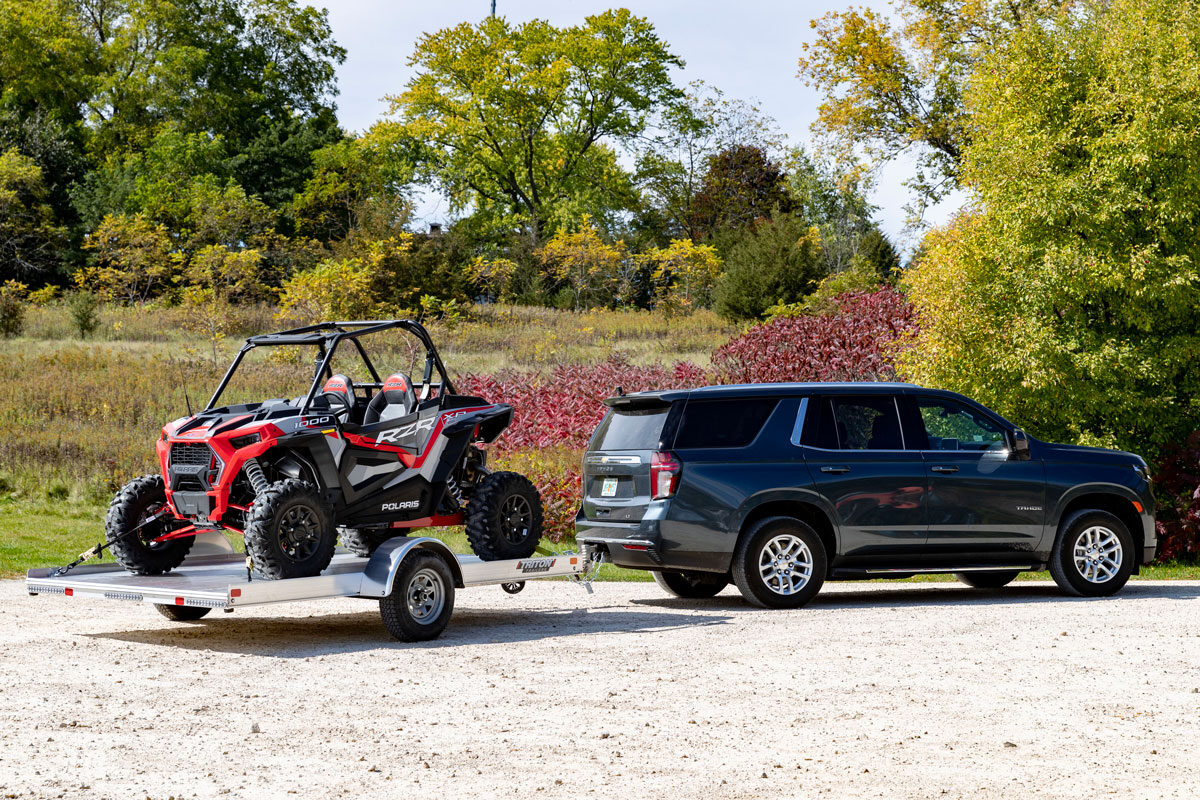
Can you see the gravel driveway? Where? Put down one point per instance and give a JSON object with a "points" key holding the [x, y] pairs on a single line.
{"points": [[874, 690]]}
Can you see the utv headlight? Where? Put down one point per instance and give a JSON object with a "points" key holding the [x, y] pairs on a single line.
{"points": [[245, 441]]}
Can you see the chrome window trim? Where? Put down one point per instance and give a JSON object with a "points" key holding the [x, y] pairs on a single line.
{"points": [[798, 428]]}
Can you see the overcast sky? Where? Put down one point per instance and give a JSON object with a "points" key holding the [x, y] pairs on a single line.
{"points": [[748, 49]]}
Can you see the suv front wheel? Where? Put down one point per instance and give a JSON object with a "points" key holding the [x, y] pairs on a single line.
{"points": [[1093, 555], [779, 563]]}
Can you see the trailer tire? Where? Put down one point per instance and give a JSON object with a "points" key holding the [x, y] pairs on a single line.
{"points": [[289, 531], [181, 613], [504, 517], [422, 598], [363, 542], [138, 500]]}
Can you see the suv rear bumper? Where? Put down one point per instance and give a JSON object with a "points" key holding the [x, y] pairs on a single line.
{"points": [[634, 545]]}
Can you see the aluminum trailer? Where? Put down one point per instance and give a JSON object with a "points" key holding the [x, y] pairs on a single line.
{"points": [[414, 580]]}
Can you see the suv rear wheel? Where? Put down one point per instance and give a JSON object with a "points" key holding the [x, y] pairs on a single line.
{"points": [[779, 563], [992, 579], [691, 585], [1093, 555]]}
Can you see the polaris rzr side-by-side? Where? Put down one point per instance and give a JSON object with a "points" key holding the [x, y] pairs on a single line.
{"points": [[367, 460]]}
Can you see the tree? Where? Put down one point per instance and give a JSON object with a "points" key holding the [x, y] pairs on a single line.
{"points": [[892, 89], [29, 239], [685, 274], [132, 261], [593, 270], [773, 261], [1066, 297], [520, 123], [740, 186], [676, 156]]}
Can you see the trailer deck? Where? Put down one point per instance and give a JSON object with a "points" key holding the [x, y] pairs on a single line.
{"points": [[214, 576]]}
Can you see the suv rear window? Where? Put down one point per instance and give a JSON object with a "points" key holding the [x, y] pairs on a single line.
{"points": [[723, 423], [630, 429]]}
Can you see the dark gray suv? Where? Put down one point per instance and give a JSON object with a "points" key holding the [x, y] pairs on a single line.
{"points": [[779, 487]]}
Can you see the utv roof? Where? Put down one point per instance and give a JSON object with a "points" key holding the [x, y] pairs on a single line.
{"points": [[324, 332]]}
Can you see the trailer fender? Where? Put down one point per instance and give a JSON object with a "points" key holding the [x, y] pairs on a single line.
{"points": [[385, 563]]}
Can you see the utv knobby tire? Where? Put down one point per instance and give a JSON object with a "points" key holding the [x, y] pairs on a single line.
{"points": [[422, 598], [181, 613], [691, 585], [504, 517], [364, 542], [290, 531], [991, 579], [136, 552]]}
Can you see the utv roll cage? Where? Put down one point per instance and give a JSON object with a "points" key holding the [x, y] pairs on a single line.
{"points": [[326, 336]]}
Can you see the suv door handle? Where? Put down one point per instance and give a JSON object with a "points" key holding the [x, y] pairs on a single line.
{"points": [[835, 470], [945, 470]]}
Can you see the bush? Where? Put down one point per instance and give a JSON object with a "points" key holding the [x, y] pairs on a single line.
{"points": [[12, 308], [858, 342], [774, 261], [85, 312], [1177, 487]]}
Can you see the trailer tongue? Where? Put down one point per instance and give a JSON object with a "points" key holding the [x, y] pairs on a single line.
{"points": [[414, 580]]}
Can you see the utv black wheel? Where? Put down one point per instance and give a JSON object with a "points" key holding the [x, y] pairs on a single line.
{"points": [[181, 613], [691, 585], [138, 502], [1093, 555], [992, 579], [364, 542], [422, 598], [779, 563], [289, 531], [504, 517]]}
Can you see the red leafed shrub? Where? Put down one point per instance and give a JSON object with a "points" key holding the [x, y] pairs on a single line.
{"points": [[852, 344], [1177, 489], [562, 408]]}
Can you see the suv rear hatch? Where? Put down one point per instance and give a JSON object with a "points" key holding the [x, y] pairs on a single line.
{"points": [[616, 466]]}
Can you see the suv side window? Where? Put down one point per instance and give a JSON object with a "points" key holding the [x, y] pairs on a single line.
{"points": [[733, 422], [950, 425], [863, 422]]}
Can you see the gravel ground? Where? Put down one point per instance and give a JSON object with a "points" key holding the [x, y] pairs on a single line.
{"points": [[873, 690]]}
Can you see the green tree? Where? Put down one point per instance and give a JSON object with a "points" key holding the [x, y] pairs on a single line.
{"points": [[132, 259], [898, 88], [593, 270], [29, 239], [521, 123], [774, 261], [1066, 297], [684, 273]]}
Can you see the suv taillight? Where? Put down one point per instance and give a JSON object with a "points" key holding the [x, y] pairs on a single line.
{"points": [[664, 475]]}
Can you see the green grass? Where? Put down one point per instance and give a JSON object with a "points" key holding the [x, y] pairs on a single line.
{"points": [[44, 534]]}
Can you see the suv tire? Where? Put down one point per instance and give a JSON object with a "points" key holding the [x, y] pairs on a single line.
{"points": [[1093, 554], [504, 517], [290, 532], [992, 579], [137, 501], [691, 585], [780, 562]]}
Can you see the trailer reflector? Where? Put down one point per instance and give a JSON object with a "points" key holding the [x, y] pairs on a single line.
{"points": [[69, 592], [235, 592], [179, 601]]}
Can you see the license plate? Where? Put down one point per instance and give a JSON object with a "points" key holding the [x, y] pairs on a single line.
{"points": [[609, 488]]}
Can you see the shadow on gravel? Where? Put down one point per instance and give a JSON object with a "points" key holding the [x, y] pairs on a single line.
{"points": [[855, 595], [329, 634]]}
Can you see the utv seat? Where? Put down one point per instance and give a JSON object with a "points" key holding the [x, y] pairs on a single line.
{"points": [[338, 396], [396, 399]]}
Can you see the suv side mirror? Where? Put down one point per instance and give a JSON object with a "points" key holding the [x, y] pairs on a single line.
{"points": [[1020, 445]]}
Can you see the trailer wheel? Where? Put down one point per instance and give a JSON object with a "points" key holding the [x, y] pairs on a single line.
{"points": [[181, 613], [504, 517], [137, 504], [422, 598]]}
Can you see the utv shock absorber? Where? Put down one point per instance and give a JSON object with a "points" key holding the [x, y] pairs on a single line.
{"points": [[258, 478], [455, 492]]}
